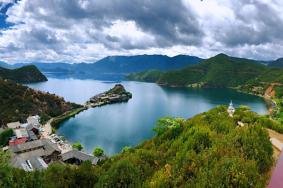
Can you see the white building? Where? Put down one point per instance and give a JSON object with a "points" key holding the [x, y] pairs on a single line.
{"points": [[231, 109]]}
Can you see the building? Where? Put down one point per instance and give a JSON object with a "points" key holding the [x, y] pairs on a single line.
{"points": [[231, 109], [15, 141], [14, 125], [21, 133], [76, 157], [30, 164], [34, 120], [31, 151]]}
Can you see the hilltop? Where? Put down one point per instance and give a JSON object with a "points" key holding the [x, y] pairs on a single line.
{"points": [[25, 74], [17, 102]]}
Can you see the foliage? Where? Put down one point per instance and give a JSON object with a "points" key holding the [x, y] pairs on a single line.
{"points": [[218, 71], [4, 136], [208, 150], [166, 123], [147, 76], [17, 102], [77, 146], [98, 152], [26, 74], [126, 149]]}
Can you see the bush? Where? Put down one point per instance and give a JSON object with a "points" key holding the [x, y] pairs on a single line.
{"points": [[98, 152], [4, 137], [78, 146]]}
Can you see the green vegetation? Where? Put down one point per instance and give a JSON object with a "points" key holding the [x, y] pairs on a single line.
{"points": [[26, 74], [17, 102], [147, 76], [4, 137], [218, 71], [208, 150], [98, 152], [77, 146], [126, 149]]}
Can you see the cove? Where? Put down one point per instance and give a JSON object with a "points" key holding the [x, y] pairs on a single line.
{"points": [[127, 124]]}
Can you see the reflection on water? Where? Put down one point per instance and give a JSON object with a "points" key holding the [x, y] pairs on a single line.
{"points": [[114, 126]]}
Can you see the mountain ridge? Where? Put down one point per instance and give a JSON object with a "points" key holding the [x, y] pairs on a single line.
{"points": [[218, 71], [25, 74]]}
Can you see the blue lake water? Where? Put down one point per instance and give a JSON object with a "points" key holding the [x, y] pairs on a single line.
{"points": [[126, 124]]}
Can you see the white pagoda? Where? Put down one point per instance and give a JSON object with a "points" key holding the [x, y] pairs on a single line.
{"points": [[231, 109]]}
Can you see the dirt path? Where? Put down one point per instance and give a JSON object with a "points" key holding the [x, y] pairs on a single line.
{"points": [[47, 129], [277, 142]]}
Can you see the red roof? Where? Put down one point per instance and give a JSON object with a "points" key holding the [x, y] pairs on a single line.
{"points": [[17, 141], [277, 175]]}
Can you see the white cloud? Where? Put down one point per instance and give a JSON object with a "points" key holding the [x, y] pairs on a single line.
{"points": [[86, 30]]}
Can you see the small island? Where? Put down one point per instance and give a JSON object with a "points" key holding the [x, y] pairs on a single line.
{"points": [[115, 95]]}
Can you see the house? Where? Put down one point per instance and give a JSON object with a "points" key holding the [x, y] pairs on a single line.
{"points": [[15, 141], [33, 127], [14, 125], [43, 148], [34, 120], [33, 124], [32, 135], [29, 164], [76, 157], [21, 133]]}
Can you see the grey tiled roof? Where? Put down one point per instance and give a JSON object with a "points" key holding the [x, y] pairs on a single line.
{"points": [[76, 154], [45, 144]]}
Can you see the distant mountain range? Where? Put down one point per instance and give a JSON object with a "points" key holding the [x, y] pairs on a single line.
{"points": [[25, 74], [116, 67], [218, 71], [277, 63]]}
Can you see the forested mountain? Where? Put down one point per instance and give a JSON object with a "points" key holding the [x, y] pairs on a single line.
{"points": [[116, 67], [277, 63], [218, 71], [208, 150], [5, 65], [25, 74], [17, 102]]}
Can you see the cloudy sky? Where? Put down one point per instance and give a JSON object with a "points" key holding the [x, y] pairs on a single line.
{"points": [[87, 30]]}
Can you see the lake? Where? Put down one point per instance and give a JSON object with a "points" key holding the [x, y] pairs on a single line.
{"points": [[127, 124]]}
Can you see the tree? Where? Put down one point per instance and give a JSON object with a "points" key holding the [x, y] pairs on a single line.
{"points": [[98, 152], [4, 136], [78, 146], [126, 149]]}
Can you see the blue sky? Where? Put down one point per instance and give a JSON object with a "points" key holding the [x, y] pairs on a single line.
{"points": [[3, 10], [87, 30]]}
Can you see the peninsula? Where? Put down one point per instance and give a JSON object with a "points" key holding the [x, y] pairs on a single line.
{"points": [[117, 94]]}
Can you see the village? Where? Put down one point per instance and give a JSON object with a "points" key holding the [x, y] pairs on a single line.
{"points": [[34, 147]]}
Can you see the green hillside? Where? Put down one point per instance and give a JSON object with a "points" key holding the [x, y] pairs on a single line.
{"points": [[208, 150], [17, 102], [26, 74], [218, 71], [147, 76]]}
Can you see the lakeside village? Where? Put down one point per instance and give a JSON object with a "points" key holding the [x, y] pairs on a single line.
{"points": [[34, 147]]}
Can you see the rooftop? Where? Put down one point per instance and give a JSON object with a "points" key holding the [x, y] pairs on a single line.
{"points": [[76, 154], [13, 125]]}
